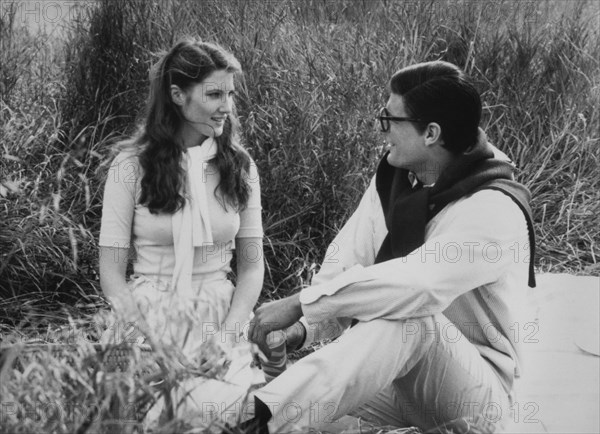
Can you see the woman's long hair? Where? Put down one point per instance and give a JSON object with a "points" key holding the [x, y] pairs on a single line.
{"points": [[189, 62]]}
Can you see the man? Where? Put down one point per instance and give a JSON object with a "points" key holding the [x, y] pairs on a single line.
{"points": [[427, 280]]}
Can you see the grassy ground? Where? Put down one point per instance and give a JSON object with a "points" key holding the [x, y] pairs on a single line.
{"points": [[315, 75]]}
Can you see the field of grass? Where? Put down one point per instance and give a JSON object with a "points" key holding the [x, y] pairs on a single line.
{"points": [[315, 74]]}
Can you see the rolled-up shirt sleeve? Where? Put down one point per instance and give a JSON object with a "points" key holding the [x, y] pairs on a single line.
{"points": [[468, 244], [355, 244]]}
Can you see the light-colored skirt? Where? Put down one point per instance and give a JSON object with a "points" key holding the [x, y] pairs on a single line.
{"points": [[183, 322], [186, 327]]}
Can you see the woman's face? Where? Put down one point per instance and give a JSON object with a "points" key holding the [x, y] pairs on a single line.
{"points": [[206, 106]]}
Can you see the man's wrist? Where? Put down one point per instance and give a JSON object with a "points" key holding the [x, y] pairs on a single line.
{"points": [[297, 304]]}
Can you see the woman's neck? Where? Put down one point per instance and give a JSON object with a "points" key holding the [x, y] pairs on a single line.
{"points": [[189, 137]]}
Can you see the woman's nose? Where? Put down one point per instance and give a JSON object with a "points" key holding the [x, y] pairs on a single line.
{"points": [[227, 104]]}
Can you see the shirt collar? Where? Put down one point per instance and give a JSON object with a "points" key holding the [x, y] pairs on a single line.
{"points": [[414, 181]]}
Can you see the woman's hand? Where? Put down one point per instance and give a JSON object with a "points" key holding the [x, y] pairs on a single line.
{"points": [[215, 356]]}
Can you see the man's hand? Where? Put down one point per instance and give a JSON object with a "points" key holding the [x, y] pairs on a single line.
{"points": [[275, 315]]}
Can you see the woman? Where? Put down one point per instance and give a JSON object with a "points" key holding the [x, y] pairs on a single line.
{"points": [[180, 197]]}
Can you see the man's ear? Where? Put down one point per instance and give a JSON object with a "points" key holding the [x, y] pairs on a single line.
{"points": [[433, 134], [177, 95]]}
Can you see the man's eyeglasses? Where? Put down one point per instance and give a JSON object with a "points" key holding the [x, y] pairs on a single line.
{"points": [[385, 118]]}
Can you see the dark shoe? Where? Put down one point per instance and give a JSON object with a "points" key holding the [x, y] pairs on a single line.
{"points": [[256, 425]]}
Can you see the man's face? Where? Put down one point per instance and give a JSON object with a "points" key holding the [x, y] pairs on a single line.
{"points": [[405, 143]]}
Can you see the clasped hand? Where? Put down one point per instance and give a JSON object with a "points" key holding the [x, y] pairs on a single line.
{"points": [[275, 315]]}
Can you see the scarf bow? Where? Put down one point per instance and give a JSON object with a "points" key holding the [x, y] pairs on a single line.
{"points": [[191, 224]]}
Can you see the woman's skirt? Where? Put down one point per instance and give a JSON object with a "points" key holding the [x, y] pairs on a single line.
{"points": [[186, 328]]}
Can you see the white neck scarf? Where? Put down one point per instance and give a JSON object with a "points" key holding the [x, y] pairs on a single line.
{"points": [[191, 224]]}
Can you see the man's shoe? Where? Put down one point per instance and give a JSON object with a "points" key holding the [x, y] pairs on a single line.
{"points": [[256, 425]]}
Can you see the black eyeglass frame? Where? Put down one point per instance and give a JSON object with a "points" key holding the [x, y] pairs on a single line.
{"points": [[385, 118]]}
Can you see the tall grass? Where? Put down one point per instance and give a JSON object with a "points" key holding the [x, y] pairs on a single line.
{"points": [[47, 242], [315, 75], [70, 385]]}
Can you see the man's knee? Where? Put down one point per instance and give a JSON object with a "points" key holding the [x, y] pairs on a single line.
{"points": [[425, 330], [420, 330]]}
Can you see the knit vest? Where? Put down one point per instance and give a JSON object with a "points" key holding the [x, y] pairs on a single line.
{"points": [[408, 209]]}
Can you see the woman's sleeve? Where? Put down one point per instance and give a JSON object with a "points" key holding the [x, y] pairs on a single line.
{"points": [[119, 201], [250, 217]]}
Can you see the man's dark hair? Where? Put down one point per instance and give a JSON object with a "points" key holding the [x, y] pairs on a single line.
{"points": [[441, 92]]}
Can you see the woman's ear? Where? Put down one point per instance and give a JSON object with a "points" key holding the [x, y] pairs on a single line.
{"points": [[433, 134], [177, 95]]}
